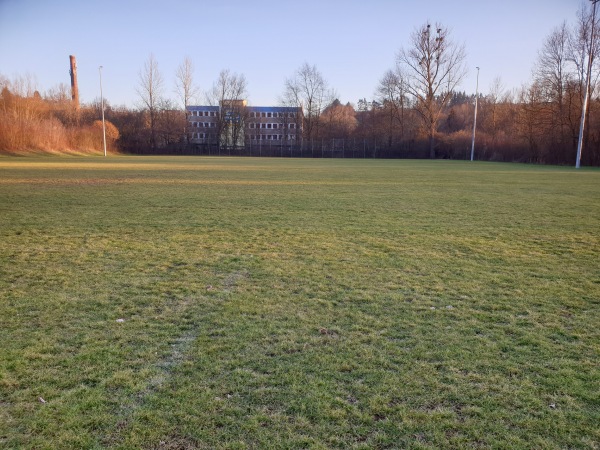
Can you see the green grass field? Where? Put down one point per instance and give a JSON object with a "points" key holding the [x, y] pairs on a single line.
{"points": [[280, 303]]}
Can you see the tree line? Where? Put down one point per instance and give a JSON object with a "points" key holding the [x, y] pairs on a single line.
{"points": [[416, 111]]}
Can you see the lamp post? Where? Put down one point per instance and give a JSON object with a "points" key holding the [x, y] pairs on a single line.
{"points": [[587, 87], [102, 106], [475, 118]]}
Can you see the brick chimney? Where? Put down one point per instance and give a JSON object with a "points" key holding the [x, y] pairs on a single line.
{"points": [[74, 86]]}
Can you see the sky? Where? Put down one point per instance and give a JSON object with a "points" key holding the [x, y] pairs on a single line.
{"points": [[352, 43]]}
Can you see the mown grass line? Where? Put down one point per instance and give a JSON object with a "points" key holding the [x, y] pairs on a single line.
{"points": [[298, 303]]}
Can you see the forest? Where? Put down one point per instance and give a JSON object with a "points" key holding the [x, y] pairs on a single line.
{"points": [[417, 109]]}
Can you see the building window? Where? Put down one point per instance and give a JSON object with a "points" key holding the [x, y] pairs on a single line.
{"points": [[274, 126], [292, 126]]}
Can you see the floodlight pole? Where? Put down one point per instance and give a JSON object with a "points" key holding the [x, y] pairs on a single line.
{"points": [[587, 87], [475, 118], [102, 106]]}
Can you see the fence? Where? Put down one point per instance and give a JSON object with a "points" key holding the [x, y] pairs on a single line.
{"points": [[317, 148]]}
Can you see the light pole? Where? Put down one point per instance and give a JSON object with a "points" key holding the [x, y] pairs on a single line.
{"points": [[102, 106], [587, 87], [475, 118]]}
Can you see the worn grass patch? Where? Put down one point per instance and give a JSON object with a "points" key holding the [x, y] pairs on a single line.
{"points": [[175, 303]]}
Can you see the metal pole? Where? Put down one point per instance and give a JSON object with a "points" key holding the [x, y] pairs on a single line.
{"points": [[475, 118], [587, 88], [102, 105]]}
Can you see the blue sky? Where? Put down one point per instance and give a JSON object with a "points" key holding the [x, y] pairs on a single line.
{"points": [[351, 42]]}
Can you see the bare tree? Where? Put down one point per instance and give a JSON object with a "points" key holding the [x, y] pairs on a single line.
{"points": [[552, 71], [434, 66], [392, 93], [185, 87], [339, 121], [553, 77], [583, 46], [308, 89], [229, 92], [533, 114], [170, 122], [150, 89], [580, 44]]}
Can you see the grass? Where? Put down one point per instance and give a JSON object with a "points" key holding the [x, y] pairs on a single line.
{"points": [[273, 303]]}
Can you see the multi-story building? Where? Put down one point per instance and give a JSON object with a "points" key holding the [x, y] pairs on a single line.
{"points": [[203, 123], [274, 123], [233, 124]]}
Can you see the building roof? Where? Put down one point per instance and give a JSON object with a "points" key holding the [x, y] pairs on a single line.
{"points": [[203, 108], [278, 109], [273, 108]]}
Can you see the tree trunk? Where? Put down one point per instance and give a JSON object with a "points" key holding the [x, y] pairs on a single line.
{"points": [[431, 145]]}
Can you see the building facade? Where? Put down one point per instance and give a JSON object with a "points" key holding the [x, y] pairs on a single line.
{"points": [[203, 123], [234, 124]]}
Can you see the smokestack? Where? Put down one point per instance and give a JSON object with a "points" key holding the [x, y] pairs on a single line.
{"points": [[74, 86]]}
